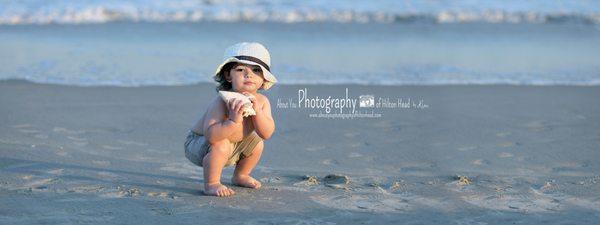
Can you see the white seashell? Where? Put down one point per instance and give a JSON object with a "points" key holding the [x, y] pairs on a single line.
{"points": [[247, 109]]}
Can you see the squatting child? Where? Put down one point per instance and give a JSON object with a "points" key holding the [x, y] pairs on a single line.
{"points": [[223, 136]]}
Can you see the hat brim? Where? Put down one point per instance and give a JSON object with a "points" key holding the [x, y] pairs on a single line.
{"points": [[267, 75]]}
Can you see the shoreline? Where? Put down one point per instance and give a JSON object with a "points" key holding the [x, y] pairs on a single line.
{"points": [[202, 83]]}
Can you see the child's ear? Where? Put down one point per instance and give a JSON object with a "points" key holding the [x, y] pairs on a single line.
{"points": [[227, 76]]}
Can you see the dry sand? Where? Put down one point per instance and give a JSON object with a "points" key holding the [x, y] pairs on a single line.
{"points": [[476, 155]]}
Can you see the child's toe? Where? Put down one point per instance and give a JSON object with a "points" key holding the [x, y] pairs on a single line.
{"points": [[224, 193]]}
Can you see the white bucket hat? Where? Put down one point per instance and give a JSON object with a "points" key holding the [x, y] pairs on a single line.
{"points": [[251, 53]]}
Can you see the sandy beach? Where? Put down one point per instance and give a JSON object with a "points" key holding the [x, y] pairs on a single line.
{"points": [[478, 154], [386, 112]]}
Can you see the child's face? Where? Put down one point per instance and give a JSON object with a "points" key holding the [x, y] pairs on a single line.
{"points": [[245, 78]]}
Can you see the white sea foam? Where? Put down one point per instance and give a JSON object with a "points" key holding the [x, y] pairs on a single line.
{"points": [[385, 11]]}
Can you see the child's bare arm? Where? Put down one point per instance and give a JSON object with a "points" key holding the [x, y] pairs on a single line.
{"points": [[263, 120], [218, 125]]}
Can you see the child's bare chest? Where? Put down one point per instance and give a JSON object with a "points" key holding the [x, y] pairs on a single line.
{"points": [[246, 129]]}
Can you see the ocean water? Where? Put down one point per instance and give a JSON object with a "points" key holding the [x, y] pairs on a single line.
{"points": [[137, 43]]}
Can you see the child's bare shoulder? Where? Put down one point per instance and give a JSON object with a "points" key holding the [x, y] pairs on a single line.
{"points": [[216, 106], [262, 97]]}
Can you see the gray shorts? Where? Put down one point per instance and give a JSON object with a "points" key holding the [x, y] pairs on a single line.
{"points": [[196, 147]]}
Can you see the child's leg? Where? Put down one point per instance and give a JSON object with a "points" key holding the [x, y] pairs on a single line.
{"points": [[241, 175], [213, 164]]}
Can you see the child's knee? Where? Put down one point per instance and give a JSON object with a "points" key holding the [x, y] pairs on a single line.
{"points": [[221, 148], [219, 151], [259, 146]]}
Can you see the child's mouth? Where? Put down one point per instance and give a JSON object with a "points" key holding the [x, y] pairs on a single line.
{"points": [[248, 83]]}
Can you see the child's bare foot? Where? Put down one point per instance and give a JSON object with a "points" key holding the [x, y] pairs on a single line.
{"points": [[218, 189], [245, 181]]}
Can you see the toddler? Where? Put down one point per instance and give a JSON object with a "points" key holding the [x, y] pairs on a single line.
{"points": [[223, 136]]}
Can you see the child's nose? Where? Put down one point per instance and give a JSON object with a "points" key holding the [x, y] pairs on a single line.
{"points": [[249, 73]]}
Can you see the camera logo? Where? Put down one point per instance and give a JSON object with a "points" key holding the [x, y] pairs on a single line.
{"points": [[366, 101]]}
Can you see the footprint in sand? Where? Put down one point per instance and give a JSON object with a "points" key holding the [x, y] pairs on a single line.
{"points": [[380, 198], [504, 195], [549, 190], [571, 169], [589, 203], [41, 184], [370, 202]]}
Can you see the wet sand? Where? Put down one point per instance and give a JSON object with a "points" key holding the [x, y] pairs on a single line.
{"points": [[476, 155]]}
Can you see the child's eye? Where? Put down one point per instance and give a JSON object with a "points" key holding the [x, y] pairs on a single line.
{"points": [[256, 70], [239, 70]]}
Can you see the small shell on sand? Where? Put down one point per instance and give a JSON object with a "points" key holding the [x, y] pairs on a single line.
{"points": [[397, 185], [308, 180], [462, 180], [128, 192], [336, 181], [332, 180]]}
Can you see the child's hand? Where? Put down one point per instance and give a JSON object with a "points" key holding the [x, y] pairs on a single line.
{"points": [[235, 110], [254, 99]]}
